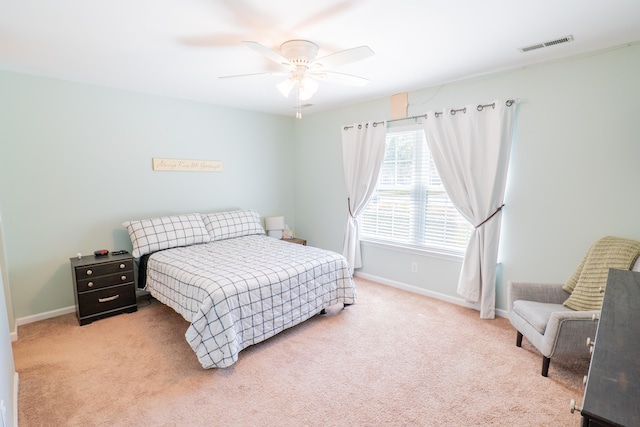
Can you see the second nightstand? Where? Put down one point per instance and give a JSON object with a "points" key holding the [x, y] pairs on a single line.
{"points": [[296, 240]]}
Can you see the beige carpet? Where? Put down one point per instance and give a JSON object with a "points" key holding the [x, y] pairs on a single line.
{"points": [[393, 359]]}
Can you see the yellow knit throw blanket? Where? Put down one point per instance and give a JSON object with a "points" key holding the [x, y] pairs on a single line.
{"points": [[590, 277]]}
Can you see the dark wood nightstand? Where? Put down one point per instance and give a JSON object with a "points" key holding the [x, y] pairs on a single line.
{"points": [[296, 240], [104, 286]]}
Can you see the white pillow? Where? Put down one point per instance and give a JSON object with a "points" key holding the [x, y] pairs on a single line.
{"points": [[150, 235], [225, 225]]}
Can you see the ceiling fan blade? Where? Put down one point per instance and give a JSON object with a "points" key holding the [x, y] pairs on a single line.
{"points": [[341, 78], [254, 74], [209, 40], [324, 15], [345, 57], [268, 53]]}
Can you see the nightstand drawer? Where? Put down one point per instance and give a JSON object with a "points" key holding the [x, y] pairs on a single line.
{"points": [[107, 299], [104, 281], [89, 271]]}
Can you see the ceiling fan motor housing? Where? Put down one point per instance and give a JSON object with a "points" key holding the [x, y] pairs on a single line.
{"points": [[297, 50]]}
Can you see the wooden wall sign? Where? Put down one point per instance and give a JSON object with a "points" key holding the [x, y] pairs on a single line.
{"points": [[187, 165]]}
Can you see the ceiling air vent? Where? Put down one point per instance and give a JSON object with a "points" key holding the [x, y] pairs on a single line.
{"points": [[564, 39]]}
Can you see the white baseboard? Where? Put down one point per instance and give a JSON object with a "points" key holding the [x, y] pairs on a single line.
{"points": [[15, 399], [436, 295], [41, 316], [393, 283]]}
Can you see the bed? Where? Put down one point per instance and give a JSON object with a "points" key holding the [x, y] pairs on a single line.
{"points": [[232, 283]]}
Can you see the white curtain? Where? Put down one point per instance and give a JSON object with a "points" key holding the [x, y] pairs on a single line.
{"points": [[362, 155], [470, 148]]}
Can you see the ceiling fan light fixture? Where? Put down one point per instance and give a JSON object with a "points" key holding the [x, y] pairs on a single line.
{"points": [[300, 57], [304, 96], [285, 87], [307, 87]]}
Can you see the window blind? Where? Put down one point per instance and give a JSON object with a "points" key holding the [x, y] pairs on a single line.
{"points": [[410, 206]]}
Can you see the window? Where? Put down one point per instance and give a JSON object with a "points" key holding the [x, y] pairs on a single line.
{"points": [[410, 206]]}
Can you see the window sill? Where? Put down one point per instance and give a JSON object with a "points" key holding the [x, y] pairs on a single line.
{"points": [[413, 250]]}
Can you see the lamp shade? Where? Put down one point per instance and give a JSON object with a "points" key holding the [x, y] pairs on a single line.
{"points": [[274, 226], [274, 223]]}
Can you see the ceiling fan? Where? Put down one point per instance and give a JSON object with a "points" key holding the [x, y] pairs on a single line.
{"points": [[303, 68]]}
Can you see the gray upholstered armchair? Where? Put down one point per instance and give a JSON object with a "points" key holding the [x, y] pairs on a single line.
{"points": [[558, 322], [537, 313]]}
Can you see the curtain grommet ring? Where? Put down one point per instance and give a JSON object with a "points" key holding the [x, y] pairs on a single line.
{"points": [[481, 107]]}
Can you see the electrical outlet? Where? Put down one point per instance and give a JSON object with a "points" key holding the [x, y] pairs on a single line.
{"points": [[414, 267]]}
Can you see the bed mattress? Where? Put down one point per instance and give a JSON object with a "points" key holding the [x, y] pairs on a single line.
{"points": [[241, 291]]}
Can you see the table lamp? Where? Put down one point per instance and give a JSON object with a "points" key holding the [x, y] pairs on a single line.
{"points": [[274, 226]]}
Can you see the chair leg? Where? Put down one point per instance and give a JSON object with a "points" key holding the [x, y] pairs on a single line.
{"points": [[545, 366], [519, 340]]}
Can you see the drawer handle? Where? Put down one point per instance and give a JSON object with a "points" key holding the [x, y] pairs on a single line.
{"points": [[115, 297], [89, 272], [90, 284], [123, 278], [573, 406], [122, 266]]}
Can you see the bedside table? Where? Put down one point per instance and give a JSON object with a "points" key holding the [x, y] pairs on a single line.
{"points": [[104, 286], [296, 240]]}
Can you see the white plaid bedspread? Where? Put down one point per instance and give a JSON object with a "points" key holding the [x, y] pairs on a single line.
{"points": [[241, 291]]}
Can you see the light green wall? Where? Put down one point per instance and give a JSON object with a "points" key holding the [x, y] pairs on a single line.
{"points": [[75, 162], [573, 178]]}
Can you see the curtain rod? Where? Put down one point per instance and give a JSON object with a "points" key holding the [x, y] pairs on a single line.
{"points": [[508, 103]]}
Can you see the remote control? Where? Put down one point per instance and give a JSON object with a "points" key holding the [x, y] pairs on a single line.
{"points": [[122, 252]]}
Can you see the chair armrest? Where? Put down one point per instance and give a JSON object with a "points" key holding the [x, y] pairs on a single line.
{"points": [[567, 333], [540, 292], [560, 316]]}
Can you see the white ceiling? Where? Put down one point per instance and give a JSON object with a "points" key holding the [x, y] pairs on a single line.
{"points": [[179, 48]]}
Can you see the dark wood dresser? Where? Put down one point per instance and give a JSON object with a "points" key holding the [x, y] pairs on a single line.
{"points": [[612, 393], [104, 286]]}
